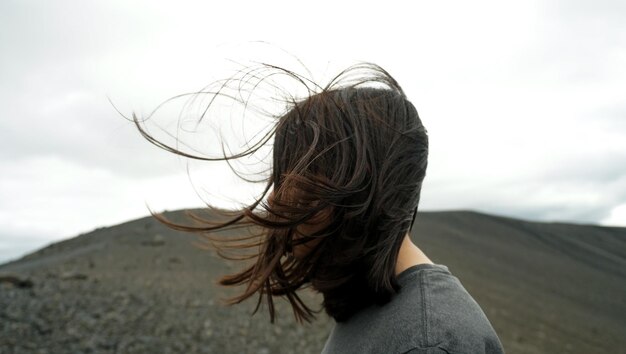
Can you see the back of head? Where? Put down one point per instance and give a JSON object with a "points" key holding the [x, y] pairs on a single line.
{"points": [[359, 154], [348, 164]]}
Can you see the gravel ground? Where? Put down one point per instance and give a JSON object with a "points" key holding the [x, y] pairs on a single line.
{"points": [[139, 287]]}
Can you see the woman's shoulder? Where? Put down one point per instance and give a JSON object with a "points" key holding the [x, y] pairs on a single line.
{"points": [[453, 318], [431, 312]]}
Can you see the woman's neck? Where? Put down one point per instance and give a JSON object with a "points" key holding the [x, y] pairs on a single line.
{"points": [[410, 255]]}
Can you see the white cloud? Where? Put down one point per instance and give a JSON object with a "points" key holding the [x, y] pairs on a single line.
{"points": [[523, 101], [617, 217]]}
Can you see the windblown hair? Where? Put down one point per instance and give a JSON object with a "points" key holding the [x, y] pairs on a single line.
{"points": [[351, 155]]}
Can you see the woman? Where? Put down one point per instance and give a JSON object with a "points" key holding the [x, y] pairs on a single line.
{"points": [[348, 164]]}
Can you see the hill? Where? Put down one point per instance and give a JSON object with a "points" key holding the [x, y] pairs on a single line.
{"points": [[140, 287]]}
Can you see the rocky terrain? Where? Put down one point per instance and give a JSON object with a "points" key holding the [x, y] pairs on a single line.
{"points": [[140, 287]]}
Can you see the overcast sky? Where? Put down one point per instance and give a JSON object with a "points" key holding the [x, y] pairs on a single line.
{"points": [[523, 101]]}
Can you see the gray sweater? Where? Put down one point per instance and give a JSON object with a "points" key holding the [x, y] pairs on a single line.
{"points": [[431, 314]]}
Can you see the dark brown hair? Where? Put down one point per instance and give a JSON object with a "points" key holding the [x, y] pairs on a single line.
{"points": [[351, 155]]}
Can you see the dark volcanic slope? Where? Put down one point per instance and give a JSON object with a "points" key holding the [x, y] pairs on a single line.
{"points": [[140, 287], [546, 287]]}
